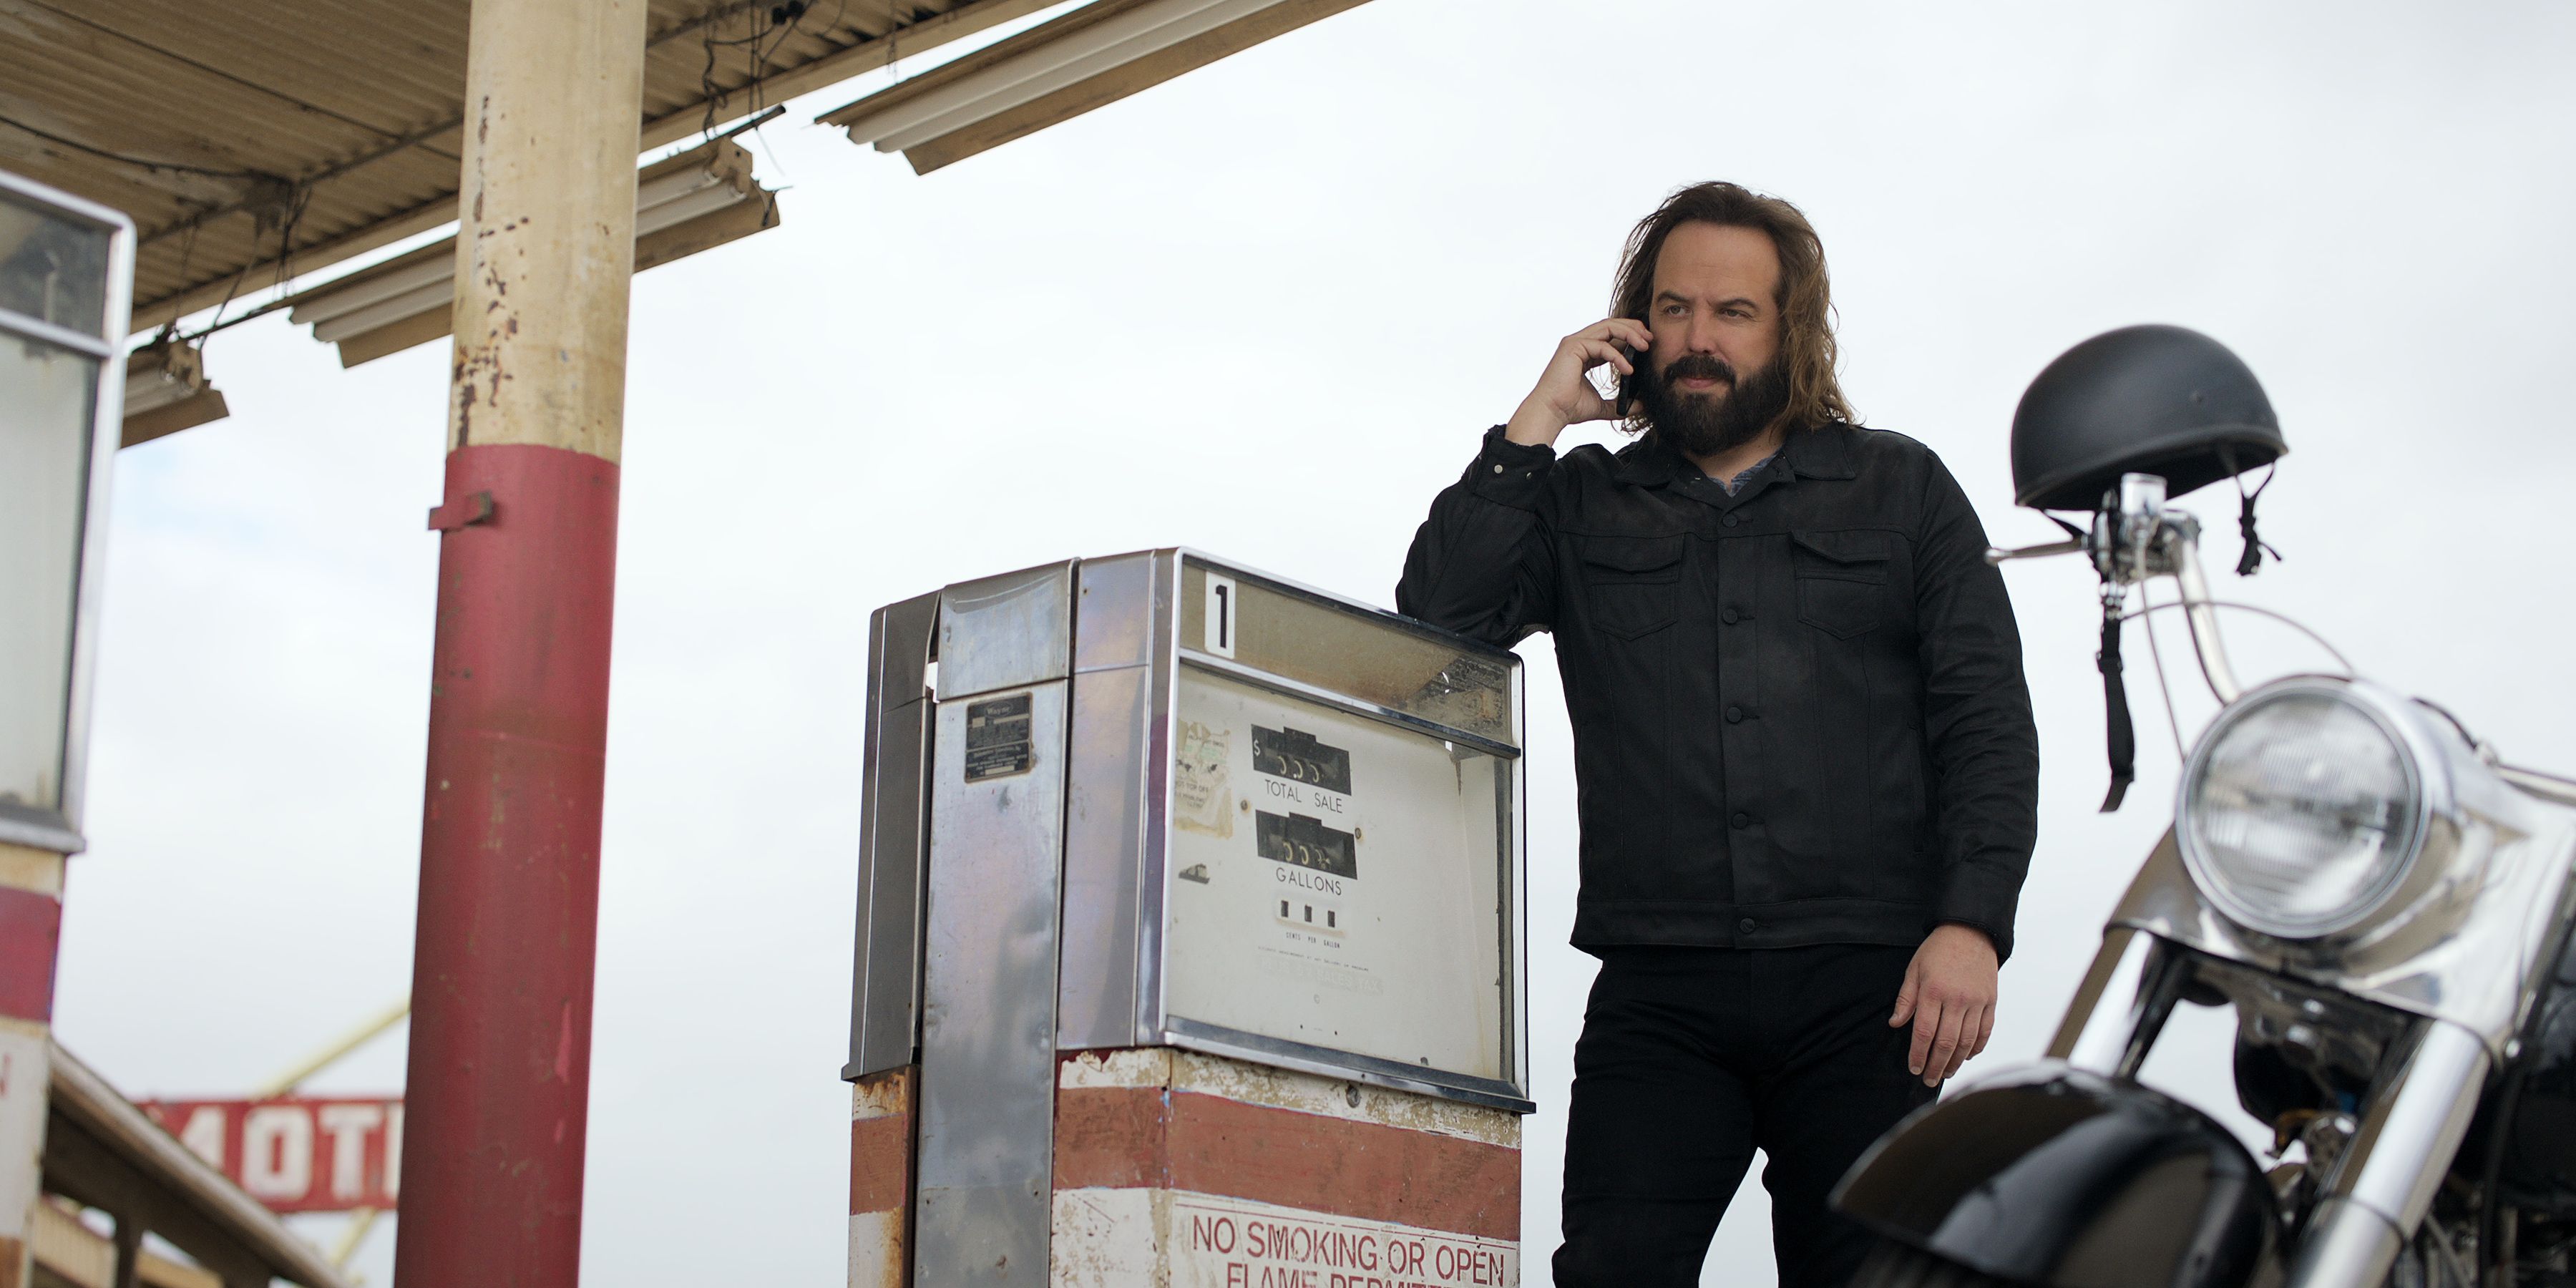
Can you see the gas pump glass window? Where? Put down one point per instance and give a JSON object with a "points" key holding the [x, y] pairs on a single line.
{"points": [[52, 269], [53, 273], [1343, 861], [2300, 813]]}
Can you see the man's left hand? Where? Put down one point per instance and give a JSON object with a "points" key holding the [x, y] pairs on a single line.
{"points": [[1949, 994]]}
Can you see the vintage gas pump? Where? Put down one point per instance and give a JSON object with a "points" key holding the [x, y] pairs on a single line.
{"points": [[1190, 938], [66, 275]]}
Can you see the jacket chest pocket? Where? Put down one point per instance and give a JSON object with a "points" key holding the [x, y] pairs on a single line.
{"points": [[1842, 580], [1632, 583]]}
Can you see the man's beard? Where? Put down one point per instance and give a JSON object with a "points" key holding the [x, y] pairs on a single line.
{"points": [[1704, 425]]}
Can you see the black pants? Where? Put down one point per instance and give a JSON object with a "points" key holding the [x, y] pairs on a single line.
{"points": [[1691, 1059]]}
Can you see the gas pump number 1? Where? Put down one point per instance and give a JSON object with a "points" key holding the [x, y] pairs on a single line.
{"points": [[1220, 617]]}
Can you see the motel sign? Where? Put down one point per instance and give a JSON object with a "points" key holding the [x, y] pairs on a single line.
{"points": [[297, 1153]]}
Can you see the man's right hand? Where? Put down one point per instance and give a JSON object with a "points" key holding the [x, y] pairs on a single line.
{"points": [[1563, 397]]}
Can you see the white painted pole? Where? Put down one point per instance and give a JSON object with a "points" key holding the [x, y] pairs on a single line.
{"points": [[31, 894]]}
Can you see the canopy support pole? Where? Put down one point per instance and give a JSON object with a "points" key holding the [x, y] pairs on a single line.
{"points": [[498, 1094], [31, 911]]}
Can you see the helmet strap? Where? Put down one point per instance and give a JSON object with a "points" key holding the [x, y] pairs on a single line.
{"points": [[2255, 546], [2122, 736]]}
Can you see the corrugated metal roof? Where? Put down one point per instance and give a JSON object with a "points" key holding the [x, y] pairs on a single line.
{"points": [[251, 139]]}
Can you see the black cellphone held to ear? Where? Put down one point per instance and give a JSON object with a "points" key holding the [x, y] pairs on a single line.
{"points": [[1627, 393]]}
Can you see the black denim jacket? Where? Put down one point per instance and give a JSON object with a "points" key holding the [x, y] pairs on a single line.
{"points": [[1799, 714]]}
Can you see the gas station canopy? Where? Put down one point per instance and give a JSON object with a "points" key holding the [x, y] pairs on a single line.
{"points": [[253, 140], [217, 153]]}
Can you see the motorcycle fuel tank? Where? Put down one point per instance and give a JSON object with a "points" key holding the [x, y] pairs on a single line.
{"points": [[2052, 1175], [2539, 1171]]}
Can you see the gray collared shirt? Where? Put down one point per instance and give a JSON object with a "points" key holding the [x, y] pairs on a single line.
{"points": [[1745, 475]]}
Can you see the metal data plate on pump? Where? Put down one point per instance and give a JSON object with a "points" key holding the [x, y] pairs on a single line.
{"points": [[1290, 834]]}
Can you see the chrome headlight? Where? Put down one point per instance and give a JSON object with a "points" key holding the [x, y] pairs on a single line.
{"points": [[2302, 809]]}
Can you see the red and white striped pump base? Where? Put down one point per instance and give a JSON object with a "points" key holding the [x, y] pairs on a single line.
{"points": [[1197, 1171]]}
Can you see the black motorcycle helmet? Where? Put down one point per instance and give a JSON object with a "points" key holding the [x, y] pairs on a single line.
{"points": [[2139, 400]]}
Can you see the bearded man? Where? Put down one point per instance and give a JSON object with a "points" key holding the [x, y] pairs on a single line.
{"points": [[1806, 770]]}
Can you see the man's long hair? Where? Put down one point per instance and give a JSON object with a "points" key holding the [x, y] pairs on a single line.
{"points": [[1804, 298]]}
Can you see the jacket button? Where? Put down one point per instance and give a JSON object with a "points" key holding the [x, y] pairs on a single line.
{"points": [[1735, 715], [1745, 925], [1732, 519], [1741, 819], [1727, 617], [1498, 469]]}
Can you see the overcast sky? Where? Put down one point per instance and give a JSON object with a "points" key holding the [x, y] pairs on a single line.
{"points": [[1265, 310]]}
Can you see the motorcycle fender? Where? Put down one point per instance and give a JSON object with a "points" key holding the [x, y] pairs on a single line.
{"points": [[2052, 1175]]}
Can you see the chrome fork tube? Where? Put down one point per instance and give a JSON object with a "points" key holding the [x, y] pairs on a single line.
{"points": [[2385, 1182], [2115, 1005], [2200, 613]]}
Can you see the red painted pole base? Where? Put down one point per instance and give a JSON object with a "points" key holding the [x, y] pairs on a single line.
{"points": [[498, 1095]]}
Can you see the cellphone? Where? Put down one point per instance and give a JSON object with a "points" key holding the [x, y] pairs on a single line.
{"points": [[1615, 387]]}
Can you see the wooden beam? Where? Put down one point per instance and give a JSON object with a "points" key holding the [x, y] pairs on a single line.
{"points": [[375, 236], [394, 337], [705, 232], [831, 69], [1063, 25], [200, 408], [1119, 82]]}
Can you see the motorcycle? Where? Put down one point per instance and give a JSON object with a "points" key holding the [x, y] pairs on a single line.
{"points": [[2383, 902]]}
